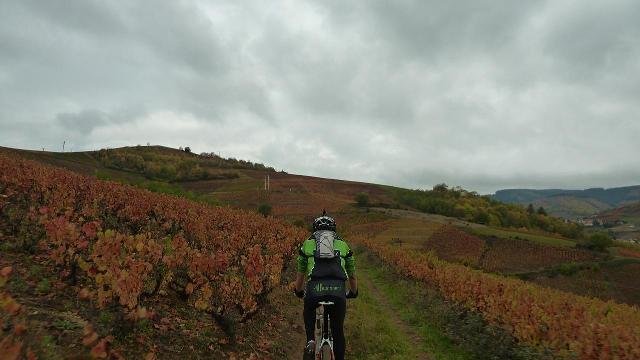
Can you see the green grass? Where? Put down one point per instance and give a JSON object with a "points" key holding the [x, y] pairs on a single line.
{"points": [[376, 337], [64, 324], [35, 271], [48, 349], [449, 331], [511, 234], [105, 318], [44, 286], [370, 335], [17, 284]]}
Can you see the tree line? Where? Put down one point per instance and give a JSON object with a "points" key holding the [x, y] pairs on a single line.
{"points": [[175, 166], [470, 206]]}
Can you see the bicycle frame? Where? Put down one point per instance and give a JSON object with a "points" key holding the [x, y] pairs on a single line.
{"points": [[324, 338]]}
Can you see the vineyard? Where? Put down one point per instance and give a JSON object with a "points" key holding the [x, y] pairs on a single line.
{"points": [[121, 246], [295, 195], [632, 253], [489, 253], [569, 325], [451, 244], [617, 281], [512, 255]]}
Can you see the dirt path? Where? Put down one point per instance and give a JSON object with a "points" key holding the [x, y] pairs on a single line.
{"points": [[392, 315], [366, 284], [291, 308]]}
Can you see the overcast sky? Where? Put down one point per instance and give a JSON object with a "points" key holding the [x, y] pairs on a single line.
{"points": [[483, 94]]}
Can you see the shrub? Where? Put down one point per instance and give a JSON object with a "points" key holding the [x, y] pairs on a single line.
{"points": [[264, 209], [599, 241], [362, 199]]}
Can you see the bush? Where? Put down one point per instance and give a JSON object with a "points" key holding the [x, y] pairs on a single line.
{"points": [[264, 209], [599, 241], [481, 217], [362, 199], [568, 269]]}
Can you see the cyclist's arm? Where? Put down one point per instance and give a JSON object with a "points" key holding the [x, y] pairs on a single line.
{"points": [[350, 267], [299, 281], [353, 284], [302, 269]]}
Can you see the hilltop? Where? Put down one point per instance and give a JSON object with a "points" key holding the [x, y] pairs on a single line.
{"points": [[208, 177]]}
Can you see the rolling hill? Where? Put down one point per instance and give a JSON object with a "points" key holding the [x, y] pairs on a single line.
{"points": [[624, 221], [106, 268], [242, 184], [630, 213], [232, 182], [572, 203]]}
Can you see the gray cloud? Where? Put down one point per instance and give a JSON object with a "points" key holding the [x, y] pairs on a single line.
{"points": [[82, 122], [482, 94]]}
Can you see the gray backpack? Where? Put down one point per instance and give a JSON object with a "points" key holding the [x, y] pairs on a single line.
{"points": [[324, 244], [327, 258]]}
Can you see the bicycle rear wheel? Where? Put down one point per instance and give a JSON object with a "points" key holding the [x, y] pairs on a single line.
{"points": [[326, 353]]}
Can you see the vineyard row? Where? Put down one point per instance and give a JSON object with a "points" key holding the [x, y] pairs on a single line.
{"points": [[126, 245], [568, 324]]}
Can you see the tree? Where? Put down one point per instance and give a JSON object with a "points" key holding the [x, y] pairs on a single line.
{"points": [[440, 188], [530, 209], [481, 217], [542, 211], [362, 199], [187, 149], [264, 209]]}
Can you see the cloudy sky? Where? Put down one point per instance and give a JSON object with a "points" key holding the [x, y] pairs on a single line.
{"points": [[483, 94]]}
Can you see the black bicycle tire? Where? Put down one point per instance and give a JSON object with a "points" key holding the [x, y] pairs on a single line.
{"points": [[329, 353]]}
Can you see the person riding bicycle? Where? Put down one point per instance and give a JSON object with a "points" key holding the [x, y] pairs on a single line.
{"points": [[326, 261]]}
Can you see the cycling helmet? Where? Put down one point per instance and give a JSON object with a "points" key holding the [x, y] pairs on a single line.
{"points": [[324, 222]]}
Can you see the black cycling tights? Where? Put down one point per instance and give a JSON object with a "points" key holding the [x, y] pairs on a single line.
{"points": [[336, 315]]}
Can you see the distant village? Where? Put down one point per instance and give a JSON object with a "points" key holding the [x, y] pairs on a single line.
{"points": [[619, 229], [594, 220]]}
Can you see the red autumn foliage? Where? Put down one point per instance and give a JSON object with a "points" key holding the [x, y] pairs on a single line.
{"points": [[570, 325], [128, 245]]}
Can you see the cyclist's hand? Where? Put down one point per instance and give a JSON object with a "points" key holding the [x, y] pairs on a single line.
{"points": [[352, 295], [299, 294]]}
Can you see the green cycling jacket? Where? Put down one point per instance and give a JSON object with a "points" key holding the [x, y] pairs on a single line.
{"points": [[306, 262]]}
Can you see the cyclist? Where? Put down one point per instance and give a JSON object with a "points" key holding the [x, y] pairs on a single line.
{"points": [[326, 261]]}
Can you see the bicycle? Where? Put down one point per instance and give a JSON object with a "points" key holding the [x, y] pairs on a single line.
{"points": [[323, 337]]}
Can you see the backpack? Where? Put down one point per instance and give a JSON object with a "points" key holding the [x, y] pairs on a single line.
{"points": [[324, 244], [326, 258]]}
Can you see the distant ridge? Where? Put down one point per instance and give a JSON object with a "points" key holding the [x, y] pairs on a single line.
{"points": [[572, 203]]}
